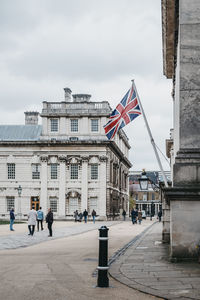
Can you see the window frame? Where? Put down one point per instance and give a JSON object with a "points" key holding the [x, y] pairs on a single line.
{"points": [[94, 127], [36, 174], [74, 127], [55, 200], [11, 170], [74, 172], [94, 172], [54, 127], [54, 172], [11, 198]]}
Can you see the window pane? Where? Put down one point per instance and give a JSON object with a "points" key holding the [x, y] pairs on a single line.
{"points": [[74, 171], [54, 125], [73, 205], [53, 204], [54, 171], [10, 203], [11, 171], [74, 125], [35, 171], [94, 125], [94, 171]]}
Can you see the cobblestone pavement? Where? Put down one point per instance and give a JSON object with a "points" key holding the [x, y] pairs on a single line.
{"points": [[145, 266], [24, 240]]}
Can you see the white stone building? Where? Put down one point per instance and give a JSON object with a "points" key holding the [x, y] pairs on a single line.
{"points": [[67, 163]]}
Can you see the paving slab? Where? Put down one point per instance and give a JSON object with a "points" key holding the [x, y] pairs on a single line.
{"points": [[145, 266]]}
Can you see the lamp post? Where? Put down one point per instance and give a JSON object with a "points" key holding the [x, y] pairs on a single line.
{"points": [[19, 189]]}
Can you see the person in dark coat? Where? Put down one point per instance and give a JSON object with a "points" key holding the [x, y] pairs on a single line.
{"points": [[12, 218], [160, 215], [124, 215], [85, 215], [134, 216], [94, 215], [49, 221]]}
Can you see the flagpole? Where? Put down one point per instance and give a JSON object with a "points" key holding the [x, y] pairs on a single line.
{"points": [[151, 137]]}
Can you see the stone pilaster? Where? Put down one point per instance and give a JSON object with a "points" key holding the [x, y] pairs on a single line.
{"points": [[43, 198], [84, 184], [102, 187], [62, 186]]}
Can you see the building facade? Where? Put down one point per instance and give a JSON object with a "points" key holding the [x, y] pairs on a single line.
{"points": [[67, 163], [149, 200], [181, 57]]}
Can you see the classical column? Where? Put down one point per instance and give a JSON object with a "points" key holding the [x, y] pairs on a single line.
{"points": [[62, 185], [102, 188], [43, 197], [84, 184]]}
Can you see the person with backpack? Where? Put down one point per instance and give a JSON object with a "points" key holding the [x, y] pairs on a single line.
{"points": [[40, 218]]}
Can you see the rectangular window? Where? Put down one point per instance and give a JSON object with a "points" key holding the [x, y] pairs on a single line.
{"points": [[54, 171], [54, 125], [11, 171], [74, 171], [53, 204], [74, 125], [94, 171], [94, 125], [35, 171], [73, 205], [10, 203], [152, 196]]}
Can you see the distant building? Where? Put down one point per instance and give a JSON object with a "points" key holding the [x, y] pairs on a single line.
{"points": [[149, 200], [67, 163]]}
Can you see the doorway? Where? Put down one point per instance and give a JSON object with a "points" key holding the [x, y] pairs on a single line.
{"points": [[35, 203]]}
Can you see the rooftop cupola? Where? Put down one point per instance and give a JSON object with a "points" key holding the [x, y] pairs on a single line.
{"points": [[81, 98]]}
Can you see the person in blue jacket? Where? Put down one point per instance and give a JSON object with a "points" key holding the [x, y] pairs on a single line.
{"points": [[12, 218], [40, 218]]}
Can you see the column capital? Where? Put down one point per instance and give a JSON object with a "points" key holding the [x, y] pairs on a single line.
{"points": [[44, 158], [103, 158], [85, 159], [62, 158]]}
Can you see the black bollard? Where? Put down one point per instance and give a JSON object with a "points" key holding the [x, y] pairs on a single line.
{"points": [[102, 280]]}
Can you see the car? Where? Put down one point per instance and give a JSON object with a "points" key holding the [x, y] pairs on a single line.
{"points": [[144, 214]]}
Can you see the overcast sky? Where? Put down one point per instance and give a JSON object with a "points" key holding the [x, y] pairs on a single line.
{"points": [[90, 46]]}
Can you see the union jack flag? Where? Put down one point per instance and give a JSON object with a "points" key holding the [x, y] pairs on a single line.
{"points": [[125, 112]]}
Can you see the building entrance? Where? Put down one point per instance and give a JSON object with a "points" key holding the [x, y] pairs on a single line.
{"points": [[35, 203]]}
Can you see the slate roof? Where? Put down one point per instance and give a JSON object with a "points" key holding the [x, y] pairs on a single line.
{"points": [[20, 132]]}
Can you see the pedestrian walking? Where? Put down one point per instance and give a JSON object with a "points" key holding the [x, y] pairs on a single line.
{"points": [[76, 217], [49, 221], [85, 215], [124, 215], [94, 215], [12, 218], [40, 218], [139, 217], [160, 215], [134, 216], [80, 217], [32, 217]]}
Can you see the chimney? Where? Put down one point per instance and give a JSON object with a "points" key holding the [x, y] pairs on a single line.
{"points": [[67, 94], [31, 117]]}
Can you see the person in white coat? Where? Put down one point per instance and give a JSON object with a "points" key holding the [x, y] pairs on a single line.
{"points": [[32, 217]]}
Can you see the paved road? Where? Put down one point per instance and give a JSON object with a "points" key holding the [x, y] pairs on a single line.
{"points": [[22, 239], [145, 266], [62, 268]]}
